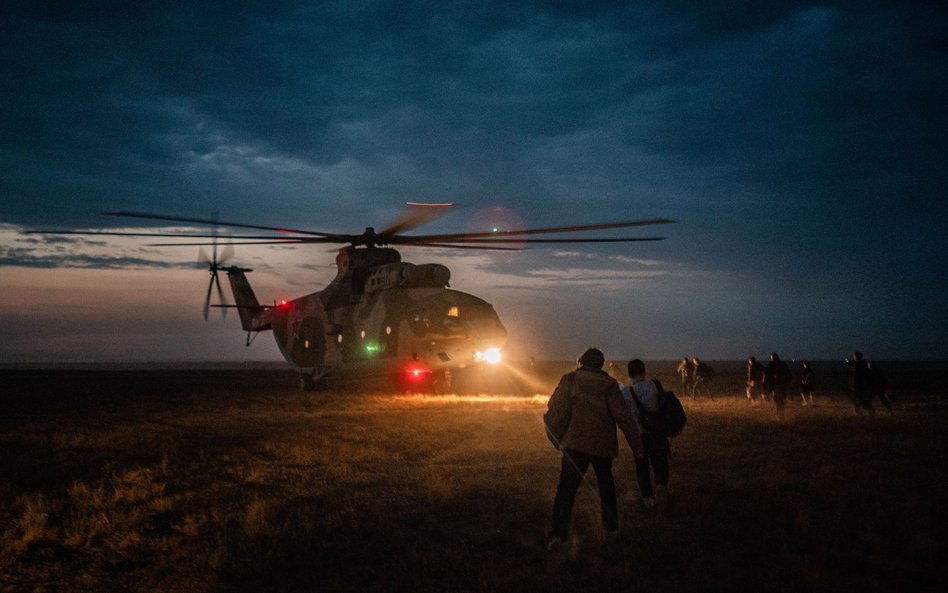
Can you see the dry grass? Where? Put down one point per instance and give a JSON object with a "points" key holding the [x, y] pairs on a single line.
{"points": [[236, 485]]}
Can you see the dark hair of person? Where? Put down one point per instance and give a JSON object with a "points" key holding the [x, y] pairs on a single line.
{"points": [[636, 368], [592, 357]]}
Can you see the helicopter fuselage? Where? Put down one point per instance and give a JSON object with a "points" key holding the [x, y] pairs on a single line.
{"points": [[380, 318]]}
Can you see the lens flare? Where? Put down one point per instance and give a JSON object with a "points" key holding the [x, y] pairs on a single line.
{"points": [[492, 355]]}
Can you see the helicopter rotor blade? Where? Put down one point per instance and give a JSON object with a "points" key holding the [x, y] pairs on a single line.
{"points": [[479, 241], [342, 238], [287, 241], [227, 252], [207, 299], [454, 246], [422, 214], [220, 294], [213, 222], [390, 236], [518, 233]]}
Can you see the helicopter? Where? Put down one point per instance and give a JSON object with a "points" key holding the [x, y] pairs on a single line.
{"points": [[380, 318]]}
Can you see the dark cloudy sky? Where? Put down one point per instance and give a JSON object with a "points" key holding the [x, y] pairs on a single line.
{"points": [[801, 146]]}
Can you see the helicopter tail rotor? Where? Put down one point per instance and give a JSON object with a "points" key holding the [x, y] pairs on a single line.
{"points": [[215, 263]]}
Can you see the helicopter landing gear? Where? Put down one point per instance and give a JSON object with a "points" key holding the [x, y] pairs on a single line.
{"points": [[307, 383]]}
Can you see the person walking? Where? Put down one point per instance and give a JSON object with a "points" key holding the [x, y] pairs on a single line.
{"points": [[685, 371], [642, 397], [859, 384], [593, 404], [701, 381], [754, 379], [777, 378], [878, 385], [807, 384]]}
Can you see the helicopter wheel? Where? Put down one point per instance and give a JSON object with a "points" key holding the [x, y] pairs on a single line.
{"points": [[307, 383]]}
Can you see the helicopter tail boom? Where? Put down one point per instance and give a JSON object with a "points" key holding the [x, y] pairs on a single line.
{"points": [[253, 316]]}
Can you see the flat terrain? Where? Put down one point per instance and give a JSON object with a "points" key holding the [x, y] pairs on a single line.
{"points": [[231, 480]]}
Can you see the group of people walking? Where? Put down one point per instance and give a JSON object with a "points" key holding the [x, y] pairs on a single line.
{"points": [[594, 405], [868, 382], [774, 380], [696, 377], [589, 404]]}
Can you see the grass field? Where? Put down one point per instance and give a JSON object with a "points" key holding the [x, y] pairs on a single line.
{"points": [[234, 481]]}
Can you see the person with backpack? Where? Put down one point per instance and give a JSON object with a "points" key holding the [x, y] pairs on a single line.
{"points": [[807, 384], [581, 421], [777, 378], [703, 374], [643, 397], [754, 379]]}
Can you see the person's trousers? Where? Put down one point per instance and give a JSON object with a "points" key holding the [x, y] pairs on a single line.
{"points": [[572, 469], [780, 398], [655, 461]]}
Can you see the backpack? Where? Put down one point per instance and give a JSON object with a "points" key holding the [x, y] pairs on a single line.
{"points": [[707, 372], [670, 418]]}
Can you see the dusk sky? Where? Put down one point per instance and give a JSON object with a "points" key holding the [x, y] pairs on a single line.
{"points": [[801, 147]]}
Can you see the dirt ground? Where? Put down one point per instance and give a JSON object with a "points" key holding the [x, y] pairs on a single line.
{"points": [[232, 480]]}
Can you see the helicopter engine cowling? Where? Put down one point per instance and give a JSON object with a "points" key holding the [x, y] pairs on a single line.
{"points": [[425, 276]]}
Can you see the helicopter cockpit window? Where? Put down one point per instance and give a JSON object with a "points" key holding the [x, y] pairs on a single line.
{"points": [[420, 322], [452, 319]]}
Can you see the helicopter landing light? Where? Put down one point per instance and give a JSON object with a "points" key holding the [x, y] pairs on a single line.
{"points": [[490, 356]]}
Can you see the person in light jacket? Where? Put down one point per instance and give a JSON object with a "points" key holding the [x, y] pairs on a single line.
{"points": [[596, 408]]}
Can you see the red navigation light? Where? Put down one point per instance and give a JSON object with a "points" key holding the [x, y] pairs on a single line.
{"points": [[418, 373], [283, 302]]}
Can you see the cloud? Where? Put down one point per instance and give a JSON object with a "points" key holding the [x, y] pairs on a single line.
{"points": [[74, 251], [796, 143]]}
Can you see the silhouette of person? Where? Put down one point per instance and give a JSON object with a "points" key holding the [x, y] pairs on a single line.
{"points": [[776, 380], [754, 379], [807, 384], [642, 397], [596, 408], [685, 371], [878, 384], [701, 379], [859, 384]]}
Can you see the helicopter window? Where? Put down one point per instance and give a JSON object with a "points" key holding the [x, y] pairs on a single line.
{"points": [[420, 322], [453, 312]]}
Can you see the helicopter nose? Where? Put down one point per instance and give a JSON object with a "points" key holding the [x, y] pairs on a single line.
{"points": [[487, 331]]}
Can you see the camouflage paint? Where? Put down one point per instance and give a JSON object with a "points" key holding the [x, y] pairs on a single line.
{"points": [[378, 317]]}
